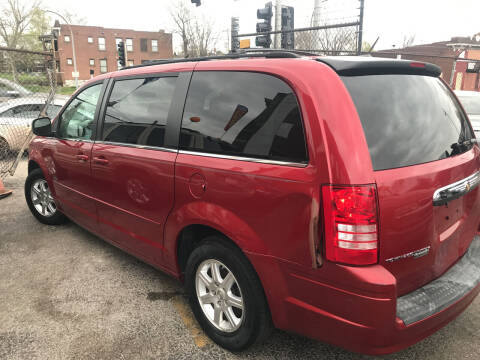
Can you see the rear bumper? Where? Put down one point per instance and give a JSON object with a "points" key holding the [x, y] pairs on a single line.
{"points": [[357, 310]]}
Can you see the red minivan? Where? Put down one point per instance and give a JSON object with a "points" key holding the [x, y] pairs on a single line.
{"points": [[335, 197]]}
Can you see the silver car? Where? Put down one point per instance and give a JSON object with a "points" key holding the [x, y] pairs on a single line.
{"points": [[10, 90], [471, 102], [16, 118]]}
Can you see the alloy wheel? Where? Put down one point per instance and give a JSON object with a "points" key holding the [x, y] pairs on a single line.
{"points": [[42, 198], [219, 295]]}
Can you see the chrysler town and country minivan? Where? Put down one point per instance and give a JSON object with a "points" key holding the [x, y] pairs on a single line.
{"points": [[334, 197]]}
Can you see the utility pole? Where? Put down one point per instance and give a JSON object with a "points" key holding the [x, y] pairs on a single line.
{"points": [[278, 23], [316, 13], [360, 28]]}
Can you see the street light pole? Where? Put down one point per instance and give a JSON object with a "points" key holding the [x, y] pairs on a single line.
{"points": [[73, 46], [278, 24]]}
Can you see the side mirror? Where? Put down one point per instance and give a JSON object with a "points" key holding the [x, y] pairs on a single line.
{"points": [[42, 126]]}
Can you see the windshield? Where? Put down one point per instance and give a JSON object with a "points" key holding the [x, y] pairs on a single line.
{"points": [[408, 119], [471, 104]]}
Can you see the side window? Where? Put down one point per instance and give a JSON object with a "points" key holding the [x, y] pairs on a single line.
{"points": [[52, 110], [77, 121], [243, 114], [137, 111], [23, 111]]}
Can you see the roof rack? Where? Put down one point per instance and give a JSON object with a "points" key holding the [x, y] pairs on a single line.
{"points": [[249, 53]]}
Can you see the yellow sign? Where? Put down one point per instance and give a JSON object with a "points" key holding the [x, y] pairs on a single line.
{"points": [[245, 44]]}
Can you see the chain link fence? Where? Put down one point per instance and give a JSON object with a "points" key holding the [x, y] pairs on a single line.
{"points": [[27, 91]]}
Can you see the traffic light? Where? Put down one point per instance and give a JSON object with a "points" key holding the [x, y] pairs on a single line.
{"points": [[264, 14], [197, 2], [288, 24], [121, 54]]}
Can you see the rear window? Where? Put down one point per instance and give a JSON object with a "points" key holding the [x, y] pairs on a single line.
{"points": [[407, 119]]}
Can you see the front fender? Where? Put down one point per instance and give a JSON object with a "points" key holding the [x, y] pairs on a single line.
{"points": [[42, 158], [214, 216]]}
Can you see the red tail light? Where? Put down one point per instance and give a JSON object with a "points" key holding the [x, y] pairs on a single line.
{"points": [[351, 224], [417, 65]]}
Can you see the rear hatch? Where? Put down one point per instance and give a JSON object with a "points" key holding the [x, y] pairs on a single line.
{"points": [[426, 175]]}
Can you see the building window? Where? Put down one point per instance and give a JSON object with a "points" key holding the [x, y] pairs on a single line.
{"points": [[66, 38], [90, 40], [69, 61], [117, 41], [103, 65], [154, 45], [92, 62], [130, 62], [101, 43], [129, 43], [143, 45]]}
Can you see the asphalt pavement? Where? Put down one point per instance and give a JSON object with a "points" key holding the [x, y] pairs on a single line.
{"points": [[66, 294]]}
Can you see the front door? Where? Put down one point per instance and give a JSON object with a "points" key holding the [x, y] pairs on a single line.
{"points": [[132, 170], [71, 155]]}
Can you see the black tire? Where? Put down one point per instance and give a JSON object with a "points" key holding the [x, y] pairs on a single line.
{"points": [[57, 217], [256, 325]]}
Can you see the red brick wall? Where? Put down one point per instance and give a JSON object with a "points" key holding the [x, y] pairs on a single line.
{"points": [[86, 51], [471, 80]]}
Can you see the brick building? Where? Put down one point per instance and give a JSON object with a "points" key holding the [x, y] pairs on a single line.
{"points": [[459, 59], [96, 49]]}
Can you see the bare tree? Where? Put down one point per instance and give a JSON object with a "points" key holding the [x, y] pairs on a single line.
{"points": [[73, 18], [201, 37], [198, 34], [15, 18], [334, 41], [408, 41], [182, 18]]}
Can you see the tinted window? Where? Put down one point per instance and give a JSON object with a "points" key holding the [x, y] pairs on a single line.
{"points": [[243, 114], [77, 121], [407, 119], [137, 111]]}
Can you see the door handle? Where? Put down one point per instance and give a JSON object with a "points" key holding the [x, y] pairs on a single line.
{"points": [[82, 157], [100, 161]]}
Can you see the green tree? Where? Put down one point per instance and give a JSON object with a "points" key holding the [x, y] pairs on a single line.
{"points": [[40, 24], [15, 18]]}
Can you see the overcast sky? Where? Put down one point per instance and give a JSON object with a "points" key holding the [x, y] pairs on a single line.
{"points": [[391, 20]]}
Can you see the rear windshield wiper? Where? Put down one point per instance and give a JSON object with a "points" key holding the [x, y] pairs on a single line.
{"points": [[461, 146]]}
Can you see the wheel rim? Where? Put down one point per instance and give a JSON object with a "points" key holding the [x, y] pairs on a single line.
{"points": [[42, 198], [219, 295]]}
